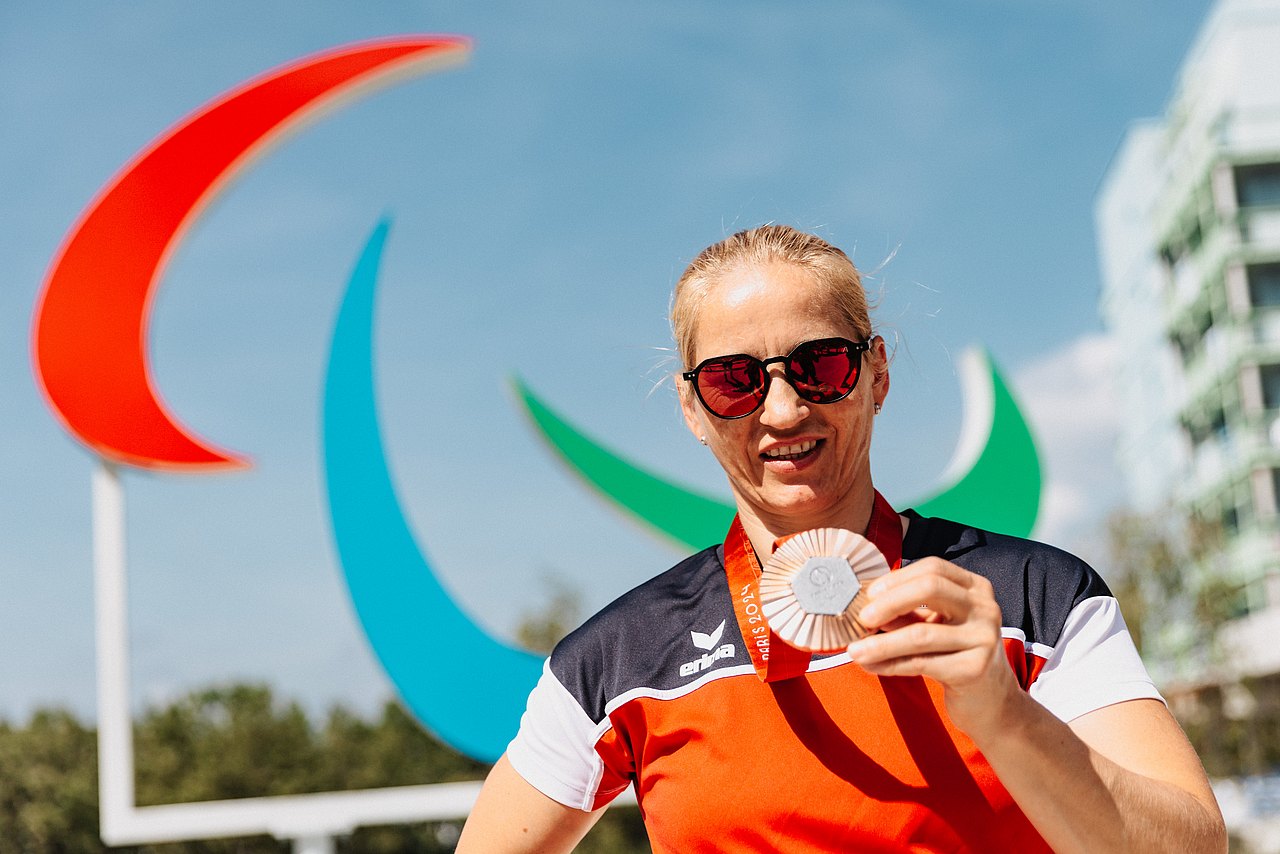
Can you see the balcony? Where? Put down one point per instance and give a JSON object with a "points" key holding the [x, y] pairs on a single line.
{"points": [[1209, 465], [1217, 361], [1260, 228], [1264, 330], [1220, 460], [1197, 268]]}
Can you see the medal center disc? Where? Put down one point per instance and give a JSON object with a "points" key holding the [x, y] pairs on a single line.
{"points": [[825, 585]]}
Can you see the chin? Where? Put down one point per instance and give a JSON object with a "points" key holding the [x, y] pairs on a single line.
{"points": [[801, 503]]}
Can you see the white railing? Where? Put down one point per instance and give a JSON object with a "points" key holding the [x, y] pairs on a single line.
{"points": [[1261, 227], [1266, 329], [1220, 352]]}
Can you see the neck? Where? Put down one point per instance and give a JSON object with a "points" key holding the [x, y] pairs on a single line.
{"points": [[764, 529]]}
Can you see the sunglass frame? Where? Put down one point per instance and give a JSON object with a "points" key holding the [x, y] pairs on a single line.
{"points": [[855, 347]]}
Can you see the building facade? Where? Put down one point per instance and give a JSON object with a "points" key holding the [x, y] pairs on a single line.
{"points": [[1188, 222]]}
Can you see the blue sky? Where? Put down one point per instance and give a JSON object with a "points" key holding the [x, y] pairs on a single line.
{"points": [[544, 198]]}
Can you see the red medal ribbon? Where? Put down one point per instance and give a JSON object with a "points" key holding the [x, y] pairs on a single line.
{"points": [[774, 658]]}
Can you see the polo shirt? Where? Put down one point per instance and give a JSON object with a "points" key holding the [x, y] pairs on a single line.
{"points": [[658, 691]]}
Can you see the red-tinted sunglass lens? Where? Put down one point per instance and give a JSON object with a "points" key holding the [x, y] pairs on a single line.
{"points": [[824, 371], [731, 387]]}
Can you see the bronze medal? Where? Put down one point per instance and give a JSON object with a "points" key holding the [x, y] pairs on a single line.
{"points": [[812, 588]]}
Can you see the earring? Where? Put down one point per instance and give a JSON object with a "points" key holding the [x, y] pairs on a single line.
{"points": [[878, 408], [702, 439]]}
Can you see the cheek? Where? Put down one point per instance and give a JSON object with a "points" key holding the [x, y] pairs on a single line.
{"points": [[728, 444], [857, 436], [732, 448]]}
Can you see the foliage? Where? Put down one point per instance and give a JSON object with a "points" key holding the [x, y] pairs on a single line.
{"points": [[48, 786], [228, 742], [1172, 592], [239, 740], [541, 630], [232, 742], [1175, 596], [1234, 726]]}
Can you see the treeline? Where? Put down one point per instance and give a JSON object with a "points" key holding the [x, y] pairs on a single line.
{"points": [[1177, 590], [233, 742]]}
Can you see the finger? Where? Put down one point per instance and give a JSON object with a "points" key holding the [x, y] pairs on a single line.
{"points": [[951, 669], [954, 662], [919, 615], [943, 596], [919, 638], [924, 566]]}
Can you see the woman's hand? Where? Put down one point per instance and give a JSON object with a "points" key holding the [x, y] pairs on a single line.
{"points": [[940, 621], [1120, 778]]}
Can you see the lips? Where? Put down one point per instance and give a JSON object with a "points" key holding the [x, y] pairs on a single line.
{"points": [[792, 452]]}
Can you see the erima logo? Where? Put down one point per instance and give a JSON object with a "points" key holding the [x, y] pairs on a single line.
{"points": [[707, 642]]}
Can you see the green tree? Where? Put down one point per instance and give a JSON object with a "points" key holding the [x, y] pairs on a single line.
{"points": [[223, 742], [1176, 594], [240, 740], [226, 742], [48, 786], [1172, 588], [393, 751], [541, 629]]}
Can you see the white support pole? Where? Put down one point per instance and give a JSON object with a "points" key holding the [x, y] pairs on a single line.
{"points": [[115, 726], [312, 821], [314, 845]]}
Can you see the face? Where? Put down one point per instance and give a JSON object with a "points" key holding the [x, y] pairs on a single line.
{"points": [[791, 464]]}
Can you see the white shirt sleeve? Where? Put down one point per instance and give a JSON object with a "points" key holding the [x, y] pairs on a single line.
{"points": [[1094, 663], [554, 751]]}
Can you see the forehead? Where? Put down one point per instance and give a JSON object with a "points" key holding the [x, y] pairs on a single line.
{"points": [[765, 310]]}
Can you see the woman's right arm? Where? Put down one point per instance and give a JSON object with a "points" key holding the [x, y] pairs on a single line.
{"points": [[512, 817]]}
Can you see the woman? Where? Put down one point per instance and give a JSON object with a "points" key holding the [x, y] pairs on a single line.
{"points": [[1001, 707]]}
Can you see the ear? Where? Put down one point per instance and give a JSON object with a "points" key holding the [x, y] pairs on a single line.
{"points": [[691, 409], [878, 362]]}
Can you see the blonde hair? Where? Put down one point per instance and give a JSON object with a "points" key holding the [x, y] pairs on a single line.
{"points": [[831, 268]]}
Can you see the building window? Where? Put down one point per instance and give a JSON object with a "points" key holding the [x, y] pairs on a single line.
{"points": [[1270, 386], [1200, 430], [1258, 185], [1230, 520], [1218, 424], [1264, 284]]}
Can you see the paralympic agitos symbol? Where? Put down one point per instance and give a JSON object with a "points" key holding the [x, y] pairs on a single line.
{"points": [[89, 350]]}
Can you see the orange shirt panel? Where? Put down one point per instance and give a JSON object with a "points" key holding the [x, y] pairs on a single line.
{"points": [[833, 749]]}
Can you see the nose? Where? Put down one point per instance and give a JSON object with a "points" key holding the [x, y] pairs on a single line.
{"points": [[782, 407]]}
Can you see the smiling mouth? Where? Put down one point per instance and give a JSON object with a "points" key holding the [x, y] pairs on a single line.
{"points": [[791, 452]]}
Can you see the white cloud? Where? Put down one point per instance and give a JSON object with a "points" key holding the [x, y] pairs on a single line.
{"points": [[1071, 403]]}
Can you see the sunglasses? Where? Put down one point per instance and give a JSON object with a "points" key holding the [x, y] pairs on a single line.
{"points": [[821, 371]]}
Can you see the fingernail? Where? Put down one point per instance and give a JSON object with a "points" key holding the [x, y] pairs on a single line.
{"points": [[877, 588]]}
